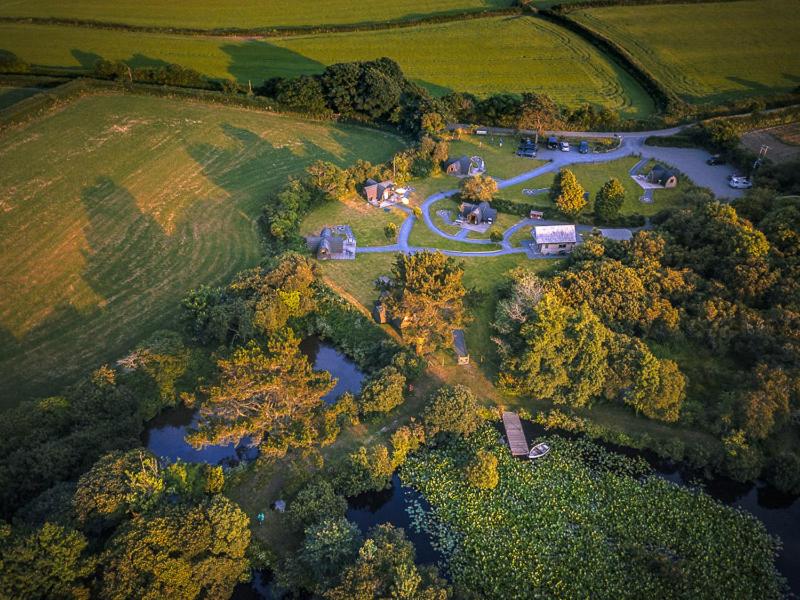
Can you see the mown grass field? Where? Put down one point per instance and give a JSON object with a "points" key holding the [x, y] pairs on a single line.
{"points": [[114, 206], [710, 52], [592, 177], [210, 14], [482, 56]]}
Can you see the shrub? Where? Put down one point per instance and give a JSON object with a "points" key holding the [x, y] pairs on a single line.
{"points": [[482, 471], [390, 231], [451, 409], [382, 392], [316, 502], [496, 236]]}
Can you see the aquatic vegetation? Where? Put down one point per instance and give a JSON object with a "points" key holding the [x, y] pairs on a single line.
{"points": [[585, 522]]}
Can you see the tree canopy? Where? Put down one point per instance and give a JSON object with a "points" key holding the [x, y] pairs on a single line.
{"points": [[426, 297]]}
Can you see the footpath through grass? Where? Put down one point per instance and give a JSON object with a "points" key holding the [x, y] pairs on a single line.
{"points": [[481, 56], [709, 52], [112, 207]]}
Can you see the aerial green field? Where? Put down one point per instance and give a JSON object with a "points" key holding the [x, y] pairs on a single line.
{"points": [[710, 52], [114, 206], [210, 14], [482, 56]]}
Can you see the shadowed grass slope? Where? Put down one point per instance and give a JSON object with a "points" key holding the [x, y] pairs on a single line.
{"points": [[114, 206]]}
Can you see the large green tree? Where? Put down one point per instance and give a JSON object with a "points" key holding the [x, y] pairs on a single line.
{"points": [[451, 410], [180, 551], [261, 394], [480, 188], [426, 297], [385, 568], [569, 195], [48, 563], [609, 200]]}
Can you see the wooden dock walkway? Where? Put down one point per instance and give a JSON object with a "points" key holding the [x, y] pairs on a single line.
{"points": [[515, 435]]}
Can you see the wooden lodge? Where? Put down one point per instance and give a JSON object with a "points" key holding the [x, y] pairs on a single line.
{"points": [[515, 435]]}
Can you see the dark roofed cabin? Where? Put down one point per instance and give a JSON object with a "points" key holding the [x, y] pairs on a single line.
{"points": [[661, 175], [475, 214], [457, 166], [460, 346]]}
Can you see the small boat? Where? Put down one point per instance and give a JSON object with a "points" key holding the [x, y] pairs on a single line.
{"points": [[538, 451]]}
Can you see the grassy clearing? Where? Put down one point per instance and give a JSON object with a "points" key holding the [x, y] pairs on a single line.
{"points": [[210, 14], [423, 237], [710, 52], [481, 56], [366, 220], [112, 207], [592, 177], [498, 152]]}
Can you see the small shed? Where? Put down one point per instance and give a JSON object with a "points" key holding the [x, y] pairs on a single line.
{"points": [[661, 175], [537, 215], [555, 239], [460, 346], [379, 313]]}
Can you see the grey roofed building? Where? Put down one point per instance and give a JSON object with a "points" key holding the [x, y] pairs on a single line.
{"points": [[475, 214], [460, 346], [555, 239], [661, 175], [620, 235], [336, 243], [377, 192], [457, 166], [555, 234]]}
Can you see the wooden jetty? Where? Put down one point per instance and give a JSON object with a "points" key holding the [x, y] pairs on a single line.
{"points": [[515, 435]]}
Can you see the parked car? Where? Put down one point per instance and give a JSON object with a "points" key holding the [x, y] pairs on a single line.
{"points": [[740, 183], [552, 143], [527, 152], [564, 146], [715, 159], [583, 147]]}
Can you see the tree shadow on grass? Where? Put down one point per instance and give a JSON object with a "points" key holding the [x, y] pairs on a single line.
{"points": [[87, 60], [132, 268], [257, 60]]}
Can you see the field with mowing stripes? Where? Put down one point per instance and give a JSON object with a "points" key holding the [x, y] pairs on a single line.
{"points": [[114, 206], [210, 14], [482, 56], [710, 52]]}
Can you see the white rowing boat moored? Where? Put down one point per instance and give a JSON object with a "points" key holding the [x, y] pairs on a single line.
{"points": [[538, 451]]}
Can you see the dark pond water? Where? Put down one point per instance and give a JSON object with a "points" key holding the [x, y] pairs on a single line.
{"points": [[165, 435], [328, 358], [389, 506]]}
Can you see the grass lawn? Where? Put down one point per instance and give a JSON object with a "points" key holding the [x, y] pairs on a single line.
{"points": [[482, 56], [501, 161], [710, 52], [366, 221], [112, 207], [423, 237], [210, 14], [592, 177]]}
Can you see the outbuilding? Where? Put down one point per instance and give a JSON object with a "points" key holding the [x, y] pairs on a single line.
{"points": [[555, 239], [460, 346], [661, 175]]}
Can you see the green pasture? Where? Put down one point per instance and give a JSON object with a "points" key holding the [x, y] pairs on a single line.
{"points": [[113, 206], [482, 56], [210, 14], [711, 52], [367, 221]]}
